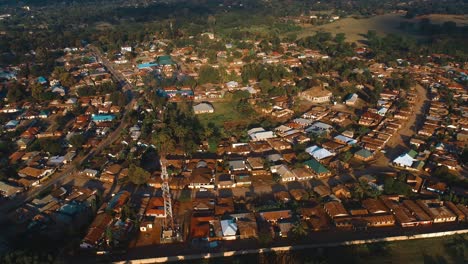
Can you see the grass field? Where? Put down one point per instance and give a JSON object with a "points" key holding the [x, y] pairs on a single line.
{"points": [[382, 24], [224, 112], [461, 20], [355, 28]]}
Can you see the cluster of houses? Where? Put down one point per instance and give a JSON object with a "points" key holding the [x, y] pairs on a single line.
{"points": [[32, 123], [55, 212], [109, 228]]}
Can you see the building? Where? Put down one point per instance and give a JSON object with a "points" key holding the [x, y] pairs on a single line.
{"points": [[8, 191], [437, 211], [335, 209], [284, 172], [364, 155], [351, 99], [317, 168], [319, 153], [317, 94], [96, 232], [203, 108], [155, 207], [229, 229], [275, 216], [99, 118]]}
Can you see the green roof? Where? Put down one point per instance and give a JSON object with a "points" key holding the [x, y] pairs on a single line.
{"points": [[364, 153], [418, 165], [165, 60], [412, 153], [316, 166]]}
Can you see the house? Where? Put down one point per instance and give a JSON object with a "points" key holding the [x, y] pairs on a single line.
{"points": [[341, 192], [201, 178], [8, 191], [246, 224], [96, 231], [113, 169], [405, 160], [225, 181], [275, 216], [317, 94], [437, 211], [33, 172], [284, 172], [375, 206], [364, 155], [345, 140], [102, 118], [90, 173], [303, 174], [224, 206], [322, 190], [255, 163], [461, 217], [351, 99], [257, 134], [155, 207], [316, 218], [317, 168], [335, 209], [369, 119], [418, 212], [229, 229], [203, 108], [237, 165], [319, 128], [200, 227], [319, 153]]}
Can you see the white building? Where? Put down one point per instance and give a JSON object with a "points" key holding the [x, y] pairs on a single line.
{"points": [[203, 108]]}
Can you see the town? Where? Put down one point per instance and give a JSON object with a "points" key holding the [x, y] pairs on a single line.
{"points": [[206, 143]]}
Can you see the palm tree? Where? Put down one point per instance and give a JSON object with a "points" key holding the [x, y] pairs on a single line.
{"points": [[299, 230]]}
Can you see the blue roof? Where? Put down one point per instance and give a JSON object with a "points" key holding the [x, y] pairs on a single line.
{"points": [[165, 60], [41, 80], [12, 123], [102, 118], [147, 65]]}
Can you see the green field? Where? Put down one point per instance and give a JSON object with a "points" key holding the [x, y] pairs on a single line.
{"points": [[226, 112], [355, 28]]}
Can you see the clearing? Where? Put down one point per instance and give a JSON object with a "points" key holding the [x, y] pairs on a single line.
{"points": [[355, 28]]}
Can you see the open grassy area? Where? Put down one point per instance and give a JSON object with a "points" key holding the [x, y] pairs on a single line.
{"points": [[461, 20], [226, 112], [355, 28], [382, 24]]}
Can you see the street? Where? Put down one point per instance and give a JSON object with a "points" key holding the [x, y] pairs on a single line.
{"points": [[69, 169]]}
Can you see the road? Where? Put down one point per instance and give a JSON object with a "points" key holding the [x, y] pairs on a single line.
{"points": [[400, 141], [69, 170]]}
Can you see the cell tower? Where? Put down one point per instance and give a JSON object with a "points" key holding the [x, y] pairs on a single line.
{"points": [[169, 221]]}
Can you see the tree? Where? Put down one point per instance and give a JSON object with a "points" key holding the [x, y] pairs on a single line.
{"points": [[138, 175], [77, 140], [299, 230], [208, 74]]}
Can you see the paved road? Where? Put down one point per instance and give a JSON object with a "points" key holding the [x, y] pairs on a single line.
{"points": [[68, 170]]}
